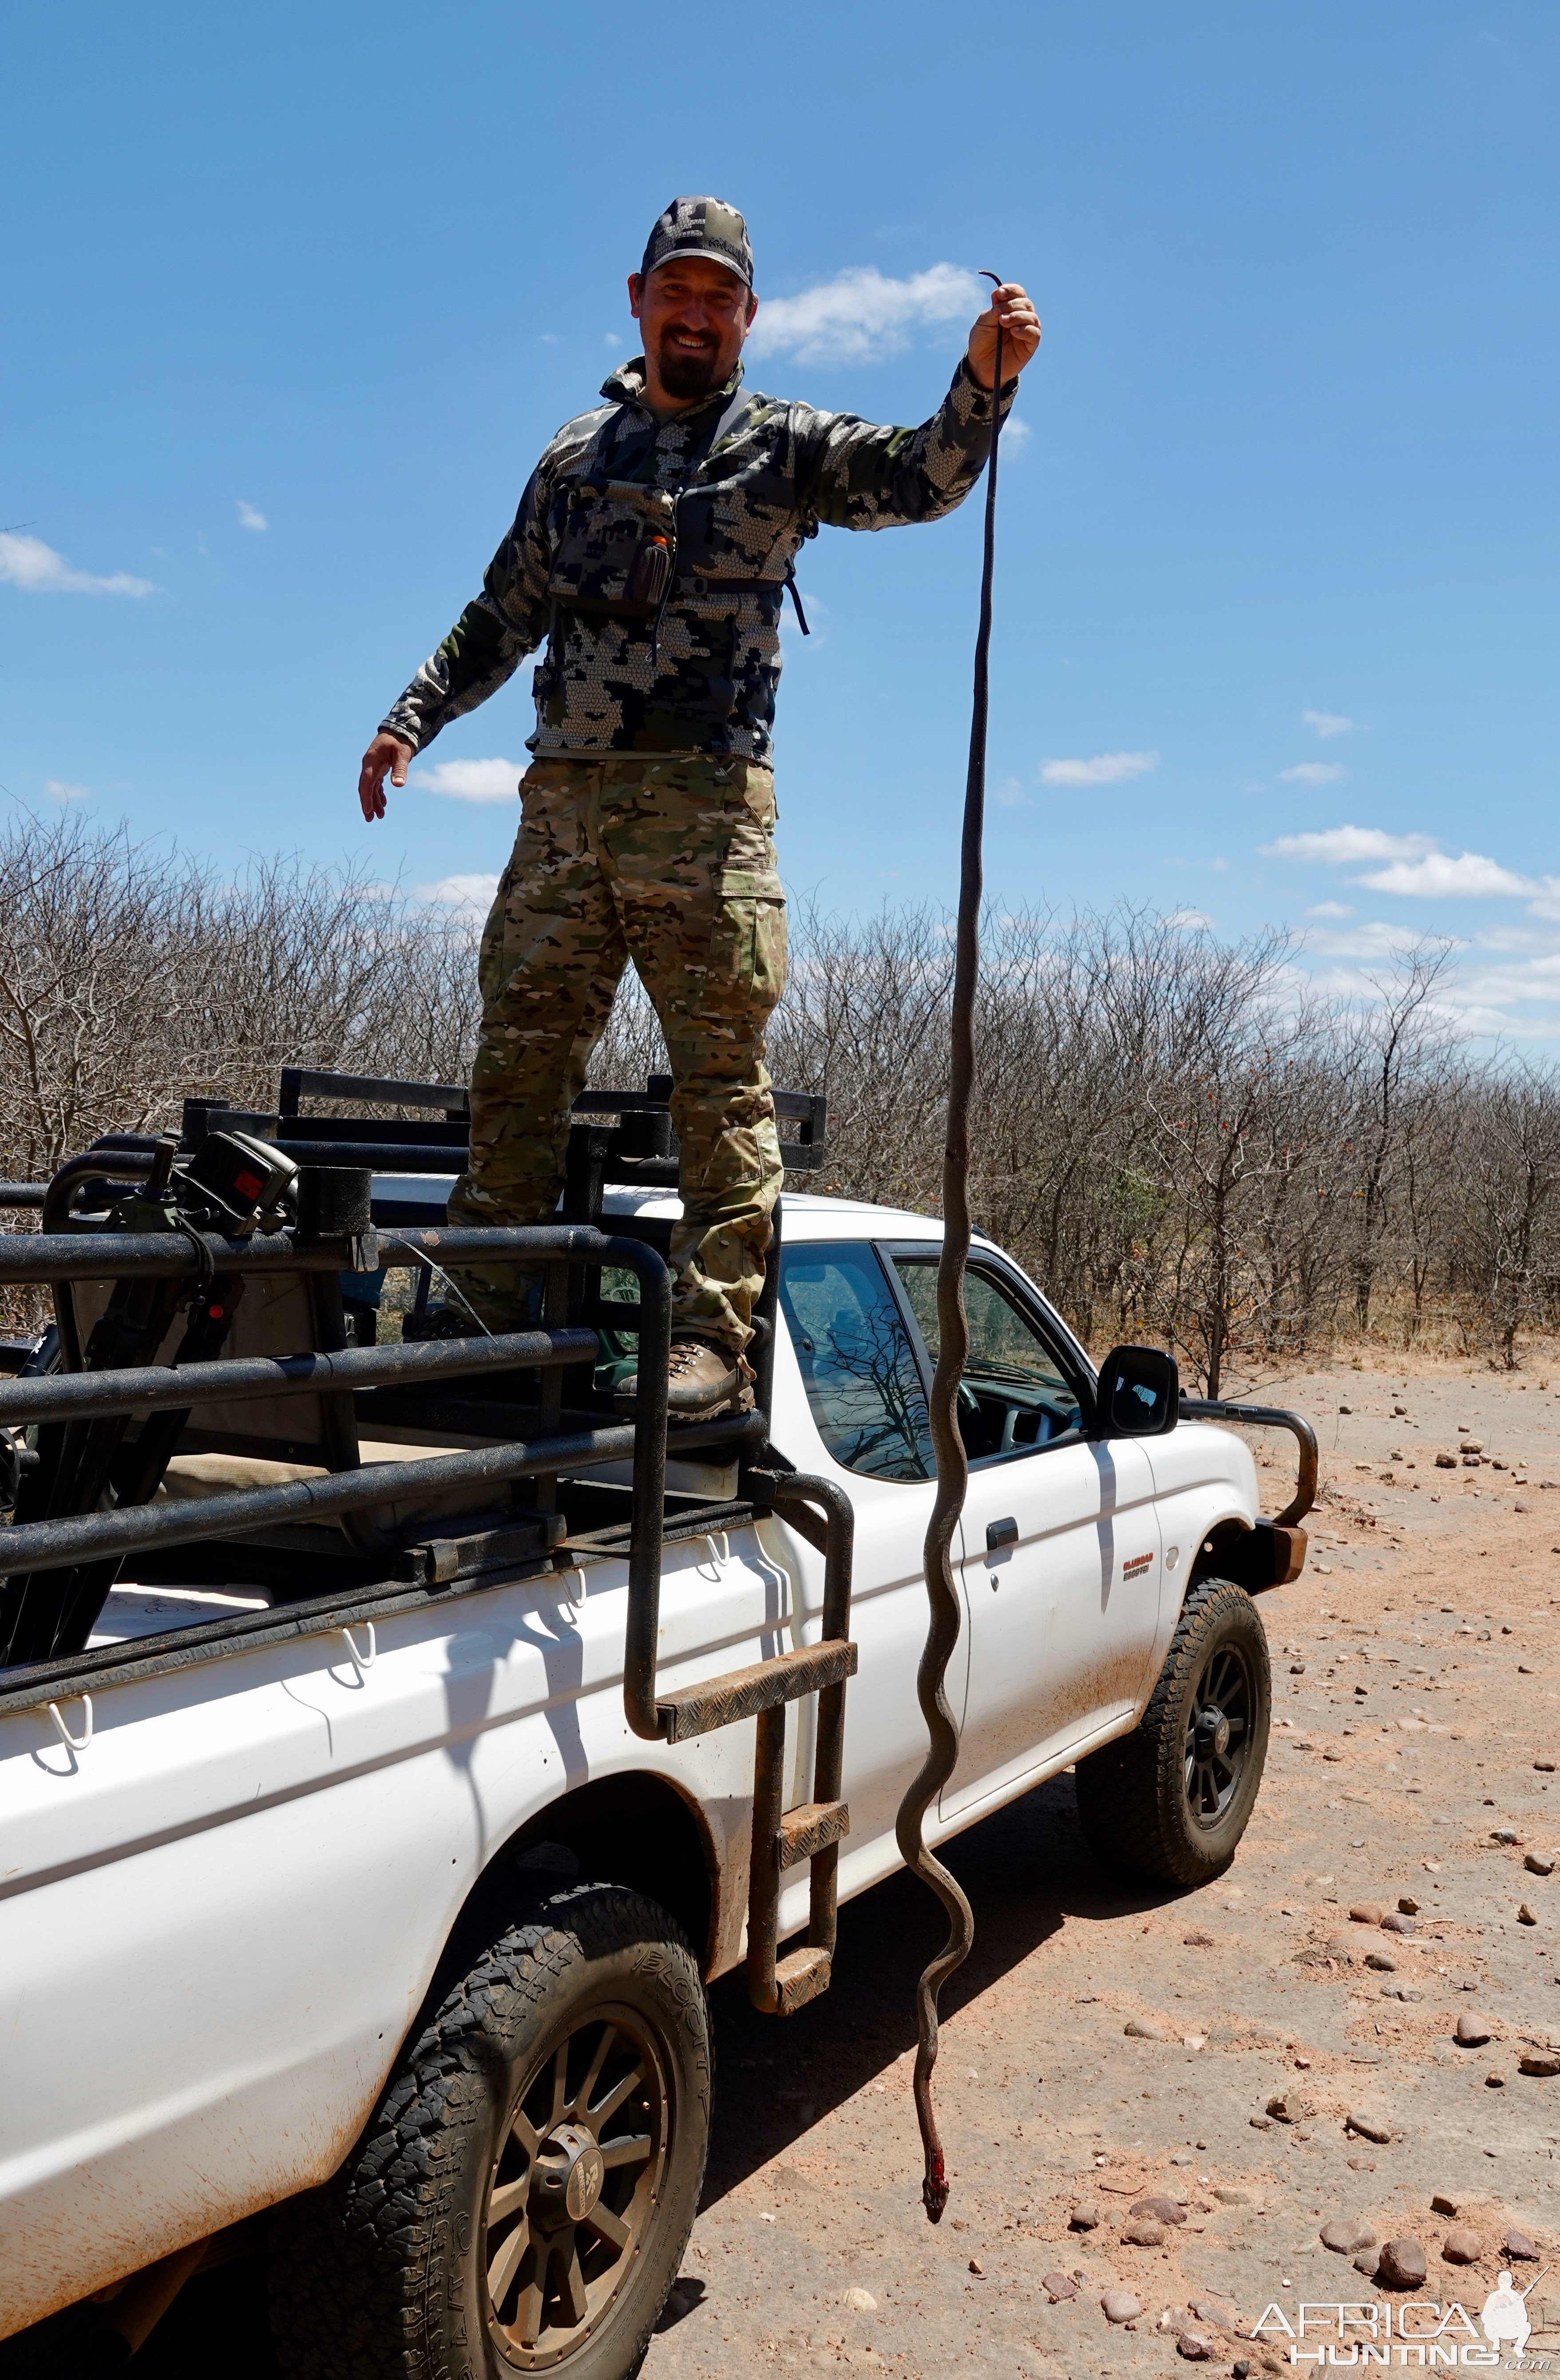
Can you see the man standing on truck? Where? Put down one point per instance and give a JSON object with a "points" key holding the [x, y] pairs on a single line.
{"points": [[651, 551]]}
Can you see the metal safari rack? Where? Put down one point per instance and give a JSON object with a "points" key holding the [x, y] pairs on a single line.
{"points": [[215, 1293]]}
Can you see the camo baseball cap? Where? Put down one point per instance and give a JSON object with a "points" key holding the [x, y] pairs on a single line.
{"points": [[702, 227]]}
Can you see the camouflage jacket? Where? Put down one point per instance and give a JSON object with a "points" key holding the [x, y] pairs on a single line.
{"points": [[752, 479]]}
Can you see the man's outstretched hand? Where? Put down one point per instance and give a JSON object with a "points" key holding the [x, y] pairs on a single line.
{"points": [[385, 752], [1011, 307]]}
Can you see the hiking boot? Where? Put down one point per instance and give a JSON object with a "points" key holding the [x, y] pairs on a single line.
{"points": [[702, 1380]]}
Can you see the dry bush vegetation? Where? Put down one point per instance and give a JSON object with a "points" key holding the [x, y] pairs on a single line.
{"points": [[1175, 1137]]}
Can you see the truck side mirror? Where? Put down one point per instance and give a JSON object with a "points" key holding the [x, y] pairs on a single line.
{"points": [[1138, 1395]]}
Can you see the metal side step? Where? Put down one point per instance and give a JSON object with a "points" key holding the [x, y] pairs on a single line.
{"points": [[810, 1829], [743, 1693], [799, 1976]]}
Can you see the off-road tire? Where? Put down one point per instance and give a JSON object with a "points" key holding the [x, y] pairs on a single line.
{"points": [[1132, 1795], [379, 2275]]}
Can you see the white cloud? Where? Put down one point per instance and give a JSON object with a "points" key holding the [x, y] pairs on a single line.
{"points": [[1011, 794], [1189, 919], [58, 791], [1104, 769], [472, 781], [27, 561], [1015, 434], [1331, 909], [862, 314], [613, 340], [470, 893], [249, 518], [1311, 773], [1344, 846], [1440, 876], [1375, 939], [1327, 723]]}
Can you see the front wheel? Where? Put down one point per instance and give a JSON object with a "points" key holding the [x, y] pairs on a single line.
{"points": [[1170, 1803], [522, 2198]]}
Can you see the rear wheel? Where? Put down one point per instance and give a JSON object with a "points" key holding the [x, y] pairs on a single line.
{"points": [[1170, 1803], [521, 2200]]}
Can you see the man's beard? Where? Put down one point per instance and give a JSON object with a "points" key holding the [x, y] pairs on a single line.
{"points": [[686, 372]]}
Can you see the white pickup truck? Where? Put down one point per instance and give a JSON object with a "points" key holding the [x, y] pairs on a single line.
{"points": [[378, 1913]]}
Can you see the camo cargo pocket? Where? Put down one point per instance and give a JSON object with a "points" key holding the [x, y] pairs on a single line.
{"points": [[747, 960]]}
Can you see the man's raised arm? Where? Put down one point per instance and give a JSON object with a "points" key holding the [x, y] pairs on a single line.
{"points": [[861, 475]]}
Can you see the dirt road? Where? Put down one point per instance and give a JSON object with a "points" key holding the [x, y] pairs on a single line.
{"points": [[1415, 1672]]}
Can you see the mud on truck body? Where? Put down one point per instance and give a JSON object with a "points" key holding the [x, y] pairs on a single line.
{"points": [[397, 1736]]}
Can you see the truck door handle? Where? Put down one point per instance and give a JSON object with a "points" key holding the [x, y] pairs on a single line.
{"points": [[1000, 1533]]}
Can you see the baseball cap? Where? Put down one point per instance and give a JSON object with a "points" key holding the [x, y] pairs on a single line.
{"points": [[702, 227]]}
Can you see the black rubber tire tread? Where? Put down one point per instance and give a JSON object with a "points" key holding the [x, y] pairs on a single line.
{"points": [[1131, 1794], [363, 2272]]}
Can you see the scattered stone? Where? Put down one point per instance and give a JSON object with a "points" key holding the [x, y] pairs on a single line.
{"points": [[1493, 2082], [1362, 2164], [1461, 2246], [1084, 2217], [1402, 2264], [1445, 1463], [1408, 1904], [1395, 1921], [1348, 1408], [1260, 2123], [1473, 2033], [1345, 1948], [1288, 2108], [1540, 1863], [977, 2267], [1505, 1835], [1369, 2128], [1518, 2244], [861, 2301], [1442, 2204], [1367, 2262], [1345, 2235], [1230, 2197], [1525, 1915], [1195, 2346], [1381, 1960], [1546, 1766], [1197, 1941], [1366, 1913], [1400, 1992], [1209, 2311], [1058, 2286], [1297, 1669], [1140, 2232], [1147, 2029], [1160, 2210], [1539, 2061], [1470, 1446], [1120, 2305]]}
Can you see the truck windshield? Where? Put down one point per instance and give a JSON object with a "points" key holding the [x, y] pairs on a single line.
{"points": [[856, 1359]]}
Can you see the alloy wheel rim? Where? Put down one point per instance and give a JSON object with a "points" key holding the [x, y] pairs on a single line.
{"points": [[572, 2188], [1218, 1738]]}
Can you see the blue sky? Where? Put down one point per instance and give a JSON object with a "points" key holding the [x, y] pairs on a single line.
{"points": [[294, 298]]}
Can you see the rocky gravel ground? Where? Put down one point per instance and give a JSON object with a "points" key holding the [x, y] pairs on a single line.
{"points": [[1333, 2078]]}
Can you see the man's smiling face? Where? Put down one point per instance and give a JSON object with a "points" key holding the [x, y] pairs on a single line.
{"points": [[694, 316]]}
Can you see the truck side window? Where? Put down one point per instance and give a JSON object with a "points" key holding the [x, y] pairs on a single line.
{"points": [[856, 1360], [1014, 1396]]}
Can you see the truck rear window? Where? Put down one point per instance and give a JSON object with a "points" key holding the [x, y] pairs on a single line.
{"points": [[856, 1363]]}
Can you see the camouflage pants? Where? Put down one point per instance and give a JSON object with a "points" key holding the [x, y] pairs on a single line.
{"points": [[669, 863]]}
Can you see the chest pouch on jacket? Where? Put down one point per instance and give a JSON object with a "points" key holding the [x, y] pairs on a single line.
{"points": [[616, 551]]}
